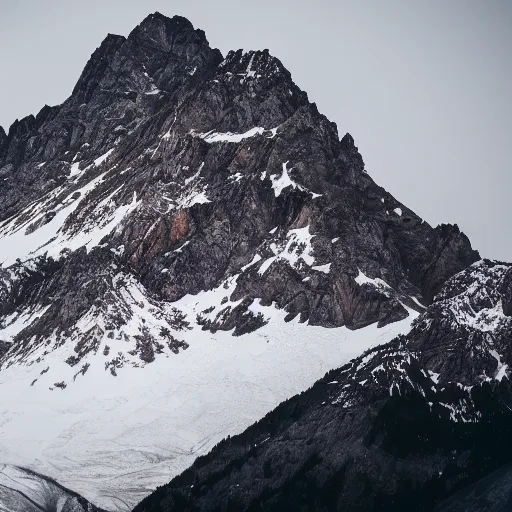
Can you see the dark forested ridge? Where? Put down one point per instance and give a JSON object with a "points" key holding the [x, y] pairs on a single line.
{"points": [[404, 427]]}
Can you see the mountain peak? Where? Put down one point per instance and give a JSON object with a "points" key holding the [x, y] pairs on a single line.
{"points": [[176, 21], [164, 33], [254, 63], [96, 66], [348, 140]]}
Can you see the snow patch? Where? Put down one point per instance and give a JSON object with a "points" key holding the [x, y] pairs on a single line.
{"points": [[16, 322], [102, 158], [75, 170], [501, 371], [255, 260], [418, 302], [323, 268], [297, 247], [284, 181], [362, 279], [212, 136]]}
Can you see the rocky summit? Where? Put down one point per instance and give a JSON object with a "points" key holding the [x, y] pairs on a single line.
{"points": [[185, 243]]}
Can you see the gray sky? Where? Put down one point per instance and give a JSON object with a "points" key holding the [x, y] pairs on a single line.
{"points": [[424, 87]]}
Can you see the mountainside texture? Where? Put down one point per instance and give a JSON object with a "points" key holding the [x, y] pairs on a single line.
{"points": [[185, 243]]}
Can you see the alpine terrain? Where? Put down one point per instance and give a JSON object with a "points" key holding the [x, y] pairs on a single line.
{"points": [[185, 244]]}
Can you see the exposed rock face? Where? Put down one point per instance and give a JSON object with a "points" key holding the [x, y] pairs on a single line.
{"points": [[3, 137], [172, 172], [494, 492], [188, 167], [506, 294], [403, 427]]}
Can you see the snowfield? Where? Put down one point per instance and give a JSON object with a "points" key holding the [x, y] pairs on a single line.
{"points": [[114, 439]]}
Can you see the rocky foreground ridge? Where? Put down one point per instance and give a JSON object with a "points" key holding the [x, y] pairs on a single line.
{"points": [[421, 423]]}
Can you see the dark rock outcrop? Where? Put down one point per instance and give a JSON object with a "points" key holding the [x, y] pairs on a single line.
{"points": [[3, 137], [218, 163], [506, 294], [492, 493]]}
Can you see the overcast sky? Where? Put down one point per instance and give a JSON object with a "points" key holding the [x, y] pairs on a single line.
{"points": [[424, 87]]}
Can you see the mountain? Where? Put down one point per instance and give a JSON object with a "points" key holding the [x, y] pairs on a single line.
{"points": [[186, 242], [402, 427]]}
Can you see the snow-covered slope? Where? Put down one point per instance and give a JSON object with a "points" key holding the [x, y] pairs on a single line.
{"points": [[113, 440]]}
